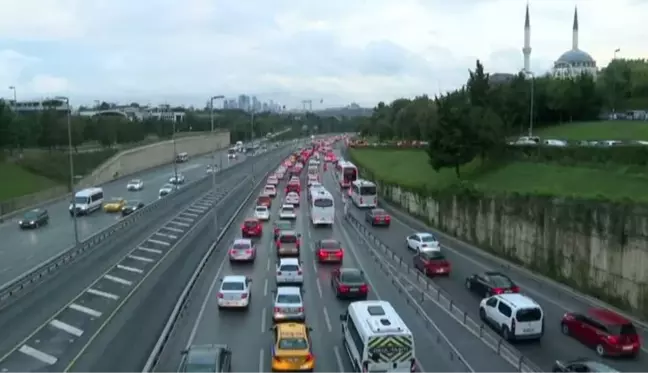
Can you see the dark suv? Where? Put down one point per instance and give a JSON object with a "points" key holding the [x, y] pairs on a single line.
{"points": [[206, 358], [34, 219]]}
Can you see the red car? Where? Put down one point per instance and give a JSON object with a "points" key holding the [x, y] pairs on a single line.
{"points": [[378, 217], [432, 263], [264, 201], [252, 228], [293, 186], [329, 251], [609, 333]]}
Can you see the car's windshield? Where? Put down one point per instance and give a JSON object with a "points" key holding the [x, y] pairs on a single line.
{"points": [[379, 212], [251, 224], [293, 344], [428, 238], [261, 209], [288, 298], [229, 286], [528, 314], [500, 280], [167, 186], [241, 246], [330, 245], [433, 255], [115, 200], [290, 268], [624, 329], [352, 277], [288, 208], [81, 200], [135, 181], [288, 238], [33, 214]]}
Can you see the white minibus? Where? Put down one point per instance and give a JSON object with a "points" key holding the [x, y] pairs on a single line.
{"points": [[364, 193]]}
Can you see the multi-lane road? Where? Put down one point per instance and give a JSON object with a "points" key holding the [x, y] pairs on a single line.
{"points": [[22, 250]]}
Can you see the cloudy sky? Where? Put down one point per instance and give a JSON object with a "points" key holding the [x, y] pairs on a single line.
{"points": [[183, 51]]}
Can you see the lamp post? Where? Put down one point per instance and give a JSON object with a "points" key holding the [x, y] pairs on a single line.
{"points": [[252, 138], [531, 100], [213, 155], [71, 161], [614, 84]]}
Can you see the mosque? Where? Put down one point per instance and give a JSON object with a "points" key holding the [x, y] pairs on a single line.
{"points": [[570, 64]]}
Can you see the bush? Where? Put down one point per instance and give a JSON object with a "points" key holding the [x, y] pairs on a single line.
{"points": [[636, 155], [55, 165]]}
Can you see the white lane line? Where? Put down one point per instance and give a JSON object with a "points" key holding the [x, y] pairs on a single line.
{"points": [[261, 370], [314, 266], [319, 287], [263, 320], [165, 235], [149, 250], [66, 327], [199, 211], [102, 294], [189, 214], [173, 229], [338, 359], [265, 287], [118, 280], [268, 265], [84, 309], [327, 320], [202, 205], [179, 223], [190, 220], [143, 259], [163, 243], [38, 355], [129, 269]]}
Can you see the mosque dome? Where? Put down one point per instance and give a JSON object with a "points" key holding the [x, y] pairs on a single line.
{"points": [[575, 57]]}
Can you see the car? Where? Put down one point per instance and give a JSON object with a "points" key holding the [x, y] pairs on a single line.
{"points": [[514, 316], [432, 263], [273, 180], [210, 169], [292, 198], [131, 206], [264, 200], [582, 365], [294, 179], [288, 243], [166, 190], [349, 283], [242, 250], [177, 179], [262, 213], [252, 227], [490, 283], [206, 358], [291, 348], [293, 186], [270, 190], [234, 292], [135, 185], [422, 241], [378, 217], [282, 225], [287, 212], [114, 205], [312, 179], [34, 218], [289, 271], [288, 304], [329, 251], [609, 333]]}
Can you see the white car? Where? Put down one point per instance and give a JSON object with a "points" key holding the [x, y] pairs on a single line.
{"points": [[262, 213], [288, 304], [177, 179], [270, 190], [135, 185], [166, 189], [287, 212], [234, 292], [289, 271], [514, 316], [312, 179], [422, 242], [292, 198], [211, 169], [242, 250], [273, 180]]}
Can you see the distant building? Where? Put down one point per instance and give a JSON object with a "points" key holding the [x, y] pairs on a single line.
{"points": [[162, 112], [38, 105]]}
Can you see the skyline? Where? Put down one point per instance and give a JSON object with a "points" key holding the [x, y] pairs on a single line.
{"points": [[287, 51]]}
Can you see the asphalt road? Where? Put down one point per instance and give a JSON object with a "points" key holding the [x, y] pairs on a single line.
{"points": [[247, 332], [467, 260], [22, 250]]}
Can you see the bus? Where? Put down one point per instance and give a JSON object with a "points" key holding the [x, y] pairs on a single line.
{"points": [[322, 209], [346, 173], [182, 157], [364, 193]]}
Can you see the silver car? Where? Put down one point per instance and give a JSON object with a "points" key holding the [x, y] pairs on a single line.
{"points": [[289, 271], [242, 250], [288, 304]]}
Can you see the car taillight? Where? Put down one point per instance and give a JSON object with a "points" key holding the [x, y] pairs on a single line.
{"points": [[612, 339], [248, 251], [364, 288], [498, 291], [361, 200], [277, 310], [309, 357], [387, 218], [244, 296], [321, 253], [278, 273], [232, 252], [339, 253], [300, 309], [515, 289], [343, 288], [568, 316], [220, 295], [243, 226], [377, 219], [299, 272]]}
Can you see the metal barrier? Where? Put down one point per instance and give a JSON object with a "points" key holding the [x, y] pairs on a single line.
{"points": [[428, 291]]}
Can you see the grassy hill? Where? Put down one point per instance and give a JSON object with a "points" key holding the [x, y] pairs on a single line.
{"points": [[601, 130], [18, 182]]}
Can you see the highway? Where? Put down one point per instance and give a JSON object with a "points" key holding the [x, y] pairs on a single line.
{"points": [[247, 332], [467, 260], [24, 249]]}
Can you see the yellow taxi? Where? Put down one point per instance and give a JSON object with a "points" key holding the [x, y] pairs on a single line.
{"points": [[114, 205], [291, 350]]}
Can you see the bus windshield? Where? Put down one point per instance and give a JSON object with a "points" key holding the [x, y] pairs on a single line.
{"points": [[350, 174], [323, 202], [368, 190]]}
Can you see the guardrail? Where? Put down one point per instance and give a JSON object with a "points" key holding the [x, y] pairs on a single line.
{"points": [[36, 274], [435, 295]]}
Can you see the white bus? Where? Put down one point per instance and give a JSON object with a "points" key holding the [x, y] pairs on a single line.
{"points": [[377, 339], [346, 173], [364, 193], [322, 208]]}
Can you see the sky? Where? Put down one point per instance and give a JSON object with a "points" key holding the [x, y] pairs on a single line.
{"points": [[333, 51]]}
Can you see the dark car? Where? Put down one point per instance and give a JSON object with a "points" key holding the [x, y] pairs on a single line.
{"points": [[349, 283], [581, 365], [34, 219], [491, 283], [206, 358], [282, 225], [378, 217], [131, 206], [329, 251], [432, 263]]}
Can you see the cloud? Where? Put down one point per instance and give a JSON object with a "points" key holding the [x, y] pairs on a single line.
{"points": [[289, 50]]}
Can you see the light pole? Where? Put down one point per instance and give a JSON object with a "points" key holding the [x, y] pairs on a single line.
{"points": [[213, 155], [252, 138], [531, 100], [13, 88], [175, 150], [71, 161], [614, 75]]}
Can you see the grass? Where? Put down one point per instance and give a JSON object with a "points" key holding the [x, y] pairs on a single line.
{"points": [[601, 130], [411, 168], [19, 182]]}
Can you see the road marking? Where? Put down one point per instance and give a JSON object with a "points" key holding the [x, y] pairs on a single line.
{"points": [[263, 320], [202, 205], [261, 370], [265, 287], [86, 310], [189, 214], [314, 266], [328, 321], [141, 258], [268, 265], [174, 229], [118, 280], [38, 355], [190, 220], [319, 287], [129, 269], [163, 243], [200, 211], [338, 359], [180, 224], [165, 235], [149, 250], [66, 327], [102, 294]]}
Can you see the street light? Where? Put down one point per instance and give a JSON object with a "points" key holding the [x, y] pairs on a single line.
{"points": [[614, 85], [213, 156], [252, 138], [531, 100], [71, 160]]}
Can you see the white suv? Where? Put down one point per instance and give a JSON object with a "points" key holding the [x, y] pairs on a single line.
{"points": [[289, 271], [514, 316]]}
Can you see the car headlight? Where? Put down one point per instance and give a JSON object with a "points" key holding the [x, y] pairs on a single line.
{"points": [[20, 221], [31, 222]]}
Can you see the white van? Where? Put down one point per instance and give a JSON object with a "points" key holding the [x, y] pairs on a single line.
{"points": [[514, 316], [364, 194], [86, 201], [322, 208]]}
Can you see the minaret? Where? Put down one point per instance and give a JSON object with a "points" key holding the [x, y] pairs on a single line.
{"points": [[527, 41], [575, 30]]}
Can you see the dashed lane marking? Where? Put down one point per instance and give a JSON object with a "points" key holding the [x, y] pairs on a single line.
{"points": [[173, 229], [86, 310], [200, 211], [130, 269], [66, 327], [179, 223], [118, 280], [38, 355], [149, 250], [190, 220], [102, 294], [190, 214], [141, 258], [163, 243], [165, 235]]}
